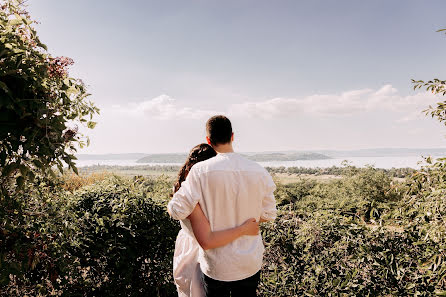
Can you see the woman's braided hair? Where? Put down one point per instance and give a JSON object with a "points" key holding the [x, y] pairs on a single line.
{"points": [[197, 154]]}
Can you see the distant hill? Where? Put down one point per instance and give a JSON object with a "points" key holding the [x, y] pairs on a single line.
{"points": [[385, 152], [130, 156], [277, 155], [163, 158], [265, 157]]}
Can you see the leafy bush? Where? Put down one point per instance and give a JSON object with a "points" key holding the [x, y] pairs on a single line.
{"points": [[33, 241], [331, 255], [424, 203], [365, 193], [341, 238], [109, 238], [113, 237], [335, 170], [124, 240]]}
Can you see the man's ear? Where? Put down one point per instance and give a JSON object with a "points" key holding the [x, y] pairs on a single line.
{"points": [[232, 137], [208, 140]]}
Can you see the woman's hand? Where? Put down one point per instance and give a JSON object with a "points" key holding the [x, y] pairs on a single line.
{"points": [[250, 227], [208, 239]]}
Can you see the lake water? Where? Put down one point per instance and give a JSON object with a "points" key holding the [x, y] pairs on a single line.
{"points": [[379, 162]]}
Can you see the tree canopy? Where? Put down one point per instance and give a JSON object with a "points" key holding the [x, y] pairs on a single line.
{"points": [[436, 86]]}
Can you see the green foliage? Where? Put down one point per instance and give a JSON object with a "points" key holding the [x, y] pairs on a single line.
{"points": [[109, 238], [365, 193], [436, 86], [331, 255], [424, 201], [124, 240], [336, 170], [33, 240], [39, 103], [342, 239], [113, 237]]}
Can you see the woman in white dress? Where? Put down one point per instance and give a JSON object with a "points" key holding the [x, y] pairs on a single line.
{"points": [[196, 231]]}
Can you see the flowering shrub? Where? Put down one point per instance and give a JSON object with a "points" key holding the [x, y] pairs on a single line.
{"points": [[39, 103]]}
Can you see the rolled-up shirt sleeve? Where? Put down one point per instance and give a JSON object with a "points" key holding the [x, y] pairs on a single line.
{"points": [[186, 198], [269, 211]]}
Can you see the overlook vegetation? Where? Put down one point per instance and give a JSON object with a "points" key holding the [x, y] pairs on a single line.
{"points": [[102, 234], [364, 233]]}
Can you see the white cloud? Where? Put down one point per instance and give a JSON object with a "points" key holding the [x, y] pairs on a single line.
{"points": [[355, 102], [347, 103], [162, 108], [352, 119]]}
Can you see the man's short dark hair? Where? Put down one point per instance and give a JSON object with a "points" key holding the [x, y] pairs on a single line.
{"points": [[219, 130]]}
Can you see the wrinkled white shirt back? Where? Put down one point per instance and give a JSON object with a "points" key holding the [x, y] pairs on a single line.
{"points": [[230, 190]]}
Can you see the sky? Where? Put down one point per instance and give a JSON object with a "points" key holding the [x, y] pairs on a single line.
{"points": [[291, 74]]}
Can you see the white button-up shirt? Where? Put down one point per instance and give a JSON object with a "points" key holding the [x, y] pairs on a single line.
{"points": [[230, 190]]}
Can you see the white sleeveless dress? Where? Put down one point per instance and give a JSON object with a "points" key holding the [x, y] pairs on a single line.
{"points": [[186, 269]]}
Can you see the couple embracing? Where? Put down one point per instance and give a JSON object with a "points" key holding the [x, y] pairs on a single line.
{"points": [[220, 198]]}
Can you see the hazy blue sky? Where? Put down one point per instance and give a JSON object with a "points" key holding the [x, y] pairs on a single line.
{"points": [[290, 74]]}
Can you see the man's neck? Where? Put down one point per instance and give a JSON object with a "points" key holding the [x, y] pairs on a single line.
{"points": [[224, 148]]}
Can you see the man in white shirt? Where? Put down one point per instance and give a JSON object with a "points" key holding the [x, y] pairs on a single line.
{"points": [[230, 189]]}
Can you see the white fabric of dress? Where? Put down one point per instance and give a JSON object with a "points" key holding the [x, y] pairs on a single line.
{"points": [[186, 269]]}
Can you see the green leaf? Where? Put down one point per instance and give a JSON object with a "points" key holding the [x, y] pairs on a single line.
{"points": [[51, 172], [20, 181], [38, 164], [23, 170], [91, 124], [74, 169], [15, 22], [8, 169], [60, 167], [4, 87], [31, 176]]}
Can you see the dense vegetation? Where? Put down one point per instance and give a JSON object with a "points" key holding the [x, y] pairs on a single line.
{"points": [[107, 236], [358, 235], [336, 170], [361, 235], [292, 171], [40, 108]]}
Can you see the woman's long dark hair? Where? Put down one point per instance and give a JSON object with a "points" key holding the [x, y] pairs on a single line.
{"points": [[197, 154]]}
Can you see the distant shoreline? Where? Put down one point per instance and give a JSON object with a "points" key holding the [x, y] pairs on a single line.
{"points": [[277, 155], [378, 162]]}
